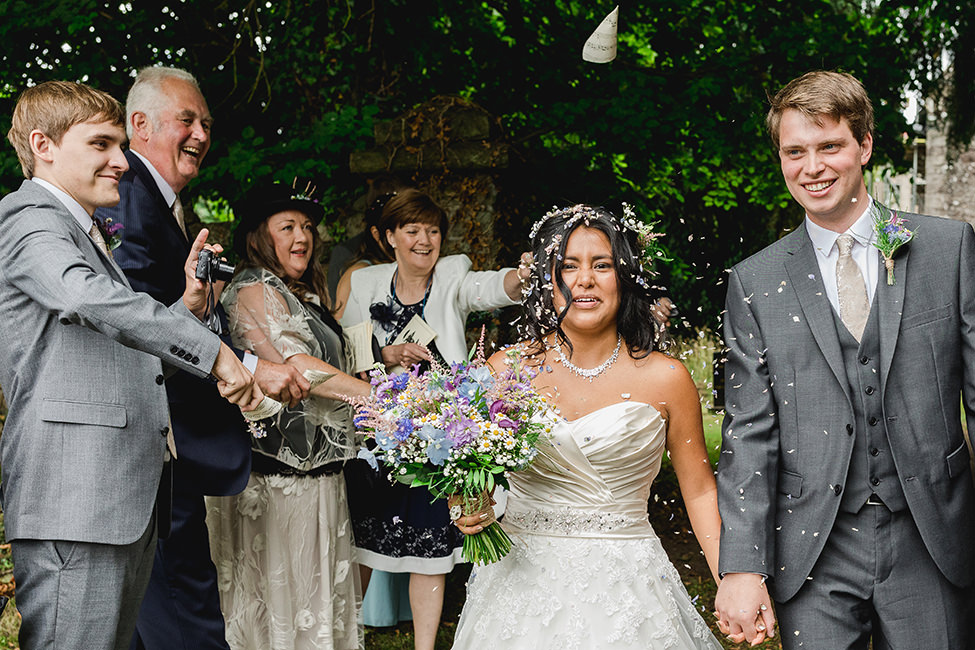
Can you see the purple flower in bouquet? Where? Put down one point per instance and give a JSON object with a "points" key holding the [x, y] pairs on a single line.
{"points": [[461, 429], [497, 409], [399, 381]]}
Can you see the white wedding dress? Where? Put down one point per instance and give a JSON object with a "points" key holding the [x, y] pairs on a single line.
{"points": [[586, 569]]}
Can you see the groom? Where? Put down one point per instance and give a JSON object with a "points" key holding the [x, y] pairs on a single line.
{"points": [[845, 484]]}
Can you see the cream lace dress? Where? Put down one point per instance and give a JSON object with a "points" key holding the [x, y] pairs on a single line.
{"points": [[283, 548], [586, 569]]}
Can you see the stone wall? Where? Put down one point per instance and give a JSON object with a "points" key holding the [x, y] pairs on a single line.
{"points": [[950, 179], [452, 149]]}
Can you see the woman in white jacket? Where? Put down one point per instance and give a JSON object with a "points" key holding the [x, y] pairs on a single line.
{"points": [[397, 529]]}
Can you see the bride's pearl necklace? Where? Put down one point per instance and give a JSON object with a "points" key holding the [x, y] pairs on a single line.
{"points": [[591, 373]]}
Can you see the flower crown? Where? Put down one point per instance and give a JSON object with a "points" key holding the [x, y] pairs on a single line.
{"points": [[646, 237]]}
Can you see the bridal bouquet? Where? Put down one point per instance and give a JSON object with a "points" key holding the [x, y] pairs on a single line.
{"points": [[456, 430]]}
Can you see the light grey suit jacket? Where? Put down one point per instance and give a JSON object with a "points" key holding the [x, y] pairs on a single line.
{"points": [[786, 451], [83, 444]]}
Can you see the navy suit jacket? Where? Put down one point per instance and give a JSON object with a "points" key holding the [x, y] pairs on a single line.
{"points": [[212, 442]]}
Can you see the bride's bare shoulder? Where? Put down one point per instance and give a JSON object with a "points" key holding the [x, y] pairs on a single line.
{"points": [[661, 374]]}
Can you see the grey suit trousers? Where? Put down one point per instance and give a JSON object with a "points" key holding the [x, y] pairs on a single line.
{"points": [[80, 595], [875, 579]]}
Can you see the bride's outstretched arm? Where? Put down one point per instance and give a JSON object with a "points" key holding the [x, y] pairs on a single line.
{"points": [[689, 457]]}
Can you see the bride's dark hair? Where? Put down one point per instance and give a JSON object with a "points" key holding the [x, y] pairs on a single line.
{"points": [[634, 321]]}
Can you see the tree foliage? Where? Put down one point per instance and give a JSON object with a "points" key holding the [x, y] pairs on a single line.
{"points": [[674, 125]]}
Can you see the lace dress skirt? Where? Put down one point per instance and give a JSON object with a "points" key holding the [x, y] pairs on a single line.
{"points": [[568, 593], [285, 563]]}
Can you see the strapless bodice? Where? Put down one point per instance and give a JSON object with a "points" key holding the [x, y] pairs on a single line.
{"points": [[592, 476]]}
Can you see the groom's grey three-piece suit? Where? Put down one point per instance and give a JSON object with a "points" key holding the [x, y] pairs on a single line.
{"points": [[83, 445], [845, 476]]}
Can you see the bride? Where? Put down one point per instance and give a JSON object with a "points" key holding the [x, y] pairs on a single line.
{"points": [[586, 569]]}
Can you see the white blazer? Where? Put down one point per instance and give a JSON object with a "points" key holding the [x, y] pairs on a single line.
{"points": [[456, 292]]}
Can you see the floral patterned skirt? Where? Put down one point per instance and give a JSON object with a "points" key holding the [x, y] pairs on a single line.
{"points": [[285, 563], [398, 528]]}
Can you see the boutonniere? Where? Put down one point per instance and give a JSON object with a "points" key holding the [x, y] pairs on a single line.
{"points": [[892, 233], [111, 232]]}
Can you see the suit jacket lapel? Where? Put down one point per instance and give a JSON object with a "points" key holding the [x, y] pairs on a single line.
{"points": [[145, 175], [71, 222], [800, 265], [890, 302], [110, 264]]}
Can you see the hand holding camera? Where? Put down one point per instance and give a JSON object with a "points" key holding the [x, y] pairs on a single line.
{"points": [[205, 275], [210, 268]]}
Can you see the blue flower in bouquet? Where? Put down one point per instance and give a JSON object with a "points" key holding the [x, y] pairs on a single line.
{"points": [[482, 375], [438, 444], [478, 378], [386, 441], [468, 390], [369, 457], [404, 429], [400, 381], [360, 418]]}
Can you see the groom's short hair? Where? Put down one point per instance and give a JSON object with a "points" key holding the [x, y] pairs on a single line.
{"points": [[52, 108], [820, 93]]}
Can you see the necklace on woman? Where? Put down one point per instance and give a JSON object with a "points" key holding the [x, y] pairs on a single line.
{"points": [[591, 373]]}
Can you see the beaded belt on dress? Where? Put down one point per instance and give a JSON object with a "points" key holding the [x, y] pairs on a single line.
{"points": [[573, 522]]}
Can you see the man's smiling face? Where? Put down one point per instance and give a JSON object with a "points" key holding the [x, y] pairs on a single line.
{"points": [[179, 137], [822, 165]]}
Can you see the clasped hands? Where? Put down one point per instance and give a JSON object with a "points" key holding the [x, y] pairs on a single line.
{"points": [[744, 609]]}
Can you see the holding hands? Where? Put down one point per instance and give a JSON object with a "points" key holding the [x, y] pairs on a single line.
{"points": [[234, 382], [281, 382], [744, 609]]}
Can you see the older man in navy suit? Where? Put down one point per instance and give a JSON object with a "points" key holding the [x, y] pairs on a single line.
{"points": [[168, 124]]}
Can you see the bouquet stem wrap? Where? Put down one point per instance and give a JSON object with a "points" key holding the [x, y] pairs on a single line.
{"points": [[492, 543]]}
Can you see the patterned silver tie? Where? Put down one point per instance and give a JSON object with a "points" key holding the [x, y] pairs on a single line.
{"points": [[178, 214], [851, 289], [96, 235]]}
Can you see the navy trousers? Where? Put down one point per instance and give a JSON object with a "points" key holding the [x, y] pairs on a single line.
{"points": [[181, 609]]}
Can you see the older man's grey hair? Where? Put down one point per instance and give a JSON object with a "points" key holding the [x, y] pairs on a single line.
{"points": [[147, 96]]}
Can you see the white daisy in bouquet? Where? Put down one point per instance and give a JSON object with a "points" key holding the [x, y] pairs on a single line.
{"points": [[457, 430]]}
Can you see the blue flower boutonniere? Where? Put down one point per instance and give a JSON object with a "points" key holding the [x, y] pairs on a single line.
{"points": [[892, 233], [111, 232]]}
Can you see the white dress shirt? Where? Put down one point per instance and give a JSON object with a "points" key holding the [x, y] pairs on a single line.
{"points": [[864, 253]]}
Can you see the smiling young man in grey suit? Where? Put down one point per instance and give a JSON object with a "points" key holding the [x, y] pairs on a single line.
{"points": [[84, 442], [845, 478]]}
